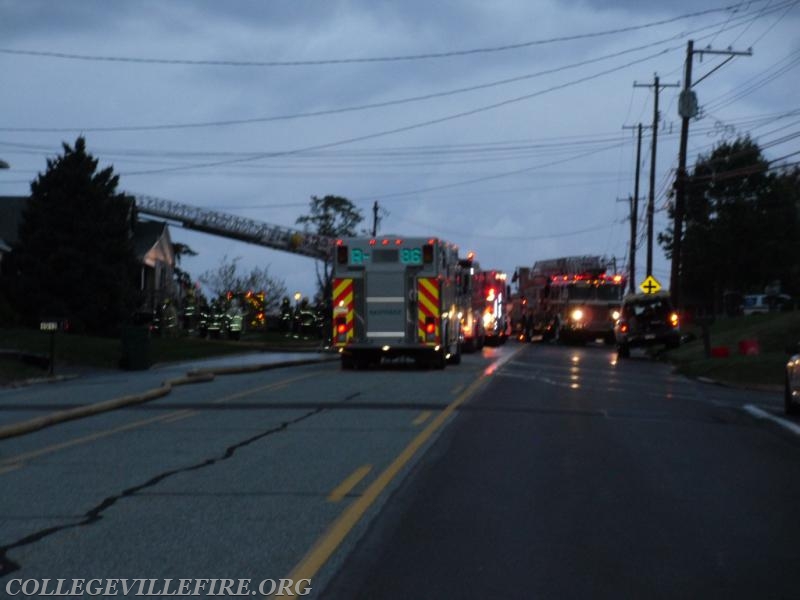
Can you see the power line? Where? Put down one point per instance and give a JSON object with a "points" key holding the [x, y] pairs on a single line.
{"points": [[373, 59], [405, 128], [355, 108]]}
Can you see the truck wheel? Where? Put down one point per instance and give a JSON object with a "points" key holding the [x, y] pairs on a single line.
{"points": [[439, 362], [347, 362], [455, 359]]}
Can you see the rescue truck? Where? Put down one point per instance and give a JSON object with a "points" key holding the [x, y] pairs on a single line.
{"points": [[571, 299], [396, 296]]}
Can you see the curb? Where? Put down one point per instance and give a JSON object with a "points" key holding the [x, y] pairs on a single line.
{"points": [[199, 376], [37, 380], [756, 387]]}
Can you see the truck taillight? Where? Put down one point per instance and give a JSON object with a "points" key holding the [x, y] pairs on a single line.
{"points": [[341, 255], [341, 329], [623, 327], [430, 329], [427, 254]]}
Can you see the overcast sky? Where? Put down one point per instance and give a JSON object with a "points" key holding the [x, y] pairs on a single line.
{"points": [[511, 145]]}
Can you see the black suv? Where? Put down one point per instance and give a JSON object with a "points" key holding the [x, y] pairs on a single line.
{"points": [[646, 320]]}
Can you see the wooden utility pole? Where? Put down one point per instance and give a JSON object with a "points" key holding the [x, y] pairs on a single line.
{"points": [[634, 210], [687, 108], [375, 219], [651, 199]]}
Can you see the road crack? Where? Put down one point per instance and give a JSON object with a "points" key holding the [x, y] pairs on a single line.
{"points": [[8, 566]]}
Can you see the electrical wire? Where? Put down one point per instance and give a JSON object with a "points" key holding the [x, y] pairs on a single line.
{"points": [[347, 109], [373, 59]]}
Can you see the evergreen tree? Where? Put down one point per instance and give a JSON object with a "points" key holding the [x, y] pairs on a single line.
{"points": [[74, 257]]}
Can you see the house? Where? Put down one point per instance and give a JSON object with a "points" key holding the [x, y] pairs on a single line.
{"points": [[11, 208], [153, 246], [151, 241]]}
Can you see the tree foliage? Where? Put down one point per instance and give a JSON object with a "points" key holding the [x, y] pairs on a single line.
{"points": [[227, 278], [74, 257], [331, 216], [741, 226]]}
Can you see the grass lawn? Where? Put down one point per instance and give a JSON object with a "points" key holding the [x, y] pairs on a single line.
{"points": [[773, 332], [15, 370], [105, 353]]}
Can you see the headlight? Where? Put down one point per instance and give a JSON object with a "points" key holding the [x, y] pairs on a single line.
{"points": [[615, 315], [577, 314]]}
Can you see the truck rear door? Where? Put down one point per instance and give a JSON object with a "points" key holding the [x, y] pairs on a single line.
{"points": [[386, 307]]}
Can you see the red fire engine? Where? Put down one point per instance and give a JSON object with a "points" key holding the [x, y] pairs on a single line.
{"points": [[570, 299]]}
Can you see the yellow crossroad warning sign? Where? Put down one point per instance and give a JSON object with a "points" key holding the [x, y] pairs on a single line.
{"points": [[650, 285]]}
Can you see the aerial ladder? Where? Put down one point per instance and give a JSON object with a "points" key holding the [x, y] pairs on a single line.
{"points": [[252, 231]]}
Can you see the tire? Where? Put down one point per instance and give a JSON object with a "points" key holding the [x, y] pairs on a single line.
{"points": [[624, 351], [789, 407], [455, 359], [347, 363]]}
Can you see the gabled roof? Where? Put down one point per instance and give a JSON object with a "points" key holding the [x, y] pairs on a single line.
{"points": [[146, 234]]}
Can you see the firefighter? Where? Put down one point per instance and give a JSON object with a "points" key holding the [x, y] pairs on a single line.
{"points": [[305, 319], [286, 315]]}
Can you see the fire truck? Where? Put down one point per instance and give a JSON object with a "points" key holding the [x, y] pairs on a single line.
{"points": [[472, 331], [396, 296], [489, 300], [571, 299]]}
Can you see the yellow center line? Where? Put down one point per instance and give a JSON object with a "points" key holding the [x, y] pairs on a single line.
{"points": [[332, 538], [456, 390], [21, 458], [326, 545], [352, 480], [423, 416]]}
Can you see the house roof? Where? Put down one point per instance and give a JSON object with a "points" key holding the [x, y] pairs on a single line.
{"points": [[11, 208], [146, 234]]}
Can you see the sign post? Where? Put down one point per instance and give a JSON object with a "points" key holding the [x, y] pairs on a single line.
{"points": [[51, 326]]}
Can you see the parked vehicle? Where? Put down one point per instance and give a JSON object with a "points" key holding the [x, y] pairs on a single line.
{"points": [[759, 304], [396, 296], [646, 320]]}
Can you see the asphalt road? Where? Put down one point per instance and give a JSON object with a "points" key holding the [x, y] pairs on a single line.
{"points": [[525, 472], [573, 475], [234, 479]]}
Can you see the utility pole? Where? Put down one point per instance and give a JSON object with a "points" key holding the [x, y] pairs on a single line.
{"points": [[635, 209], [651, 199], [375, 219], [687, 108]]}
